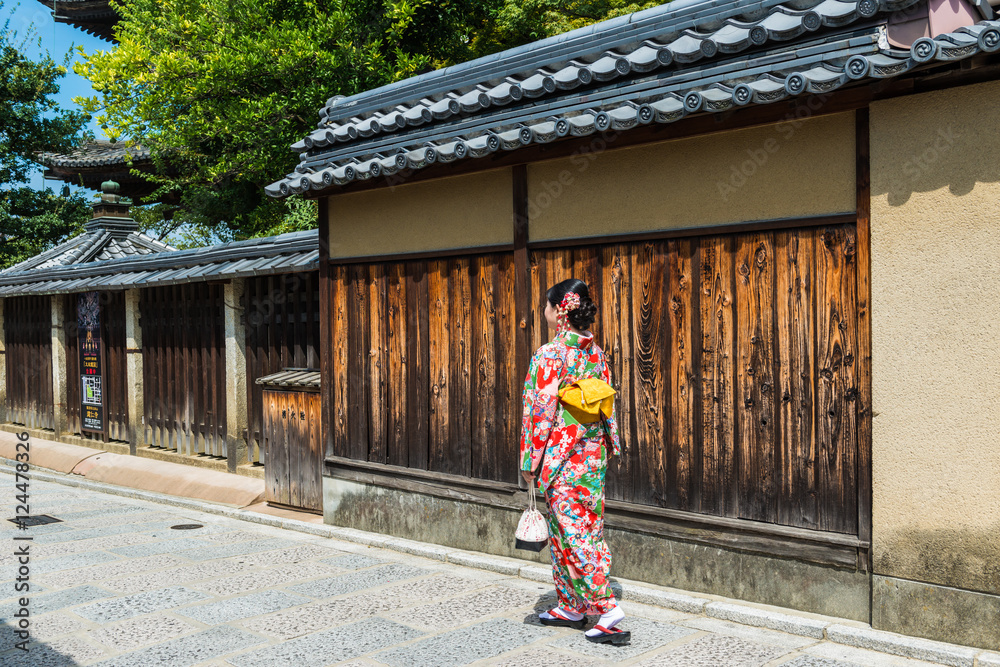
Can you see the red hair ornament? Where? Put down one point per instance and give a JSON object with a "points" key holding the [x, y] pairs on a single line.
{"points": [[569, 303]]}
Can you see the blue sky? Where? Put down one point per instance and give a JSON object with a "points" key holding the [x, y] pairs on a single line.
{"points": [[56, 39]]}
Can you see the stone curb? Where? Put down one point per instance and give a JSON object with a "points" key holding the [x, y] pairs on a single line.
{"points": [[536, 573], [909, 647], [860, 637], [677, 601], [496, 564], [762, 618]]}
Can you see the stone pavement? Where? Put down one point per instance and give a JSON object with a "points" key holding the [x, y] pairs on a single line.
{"points": [[115, 583]]}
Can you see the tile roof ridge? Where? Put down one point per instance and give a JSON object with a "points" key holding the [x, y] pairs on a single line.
{"points": [[147, 241], [100, 241], [677, 32], [98, 152], [300, 242], [794, 69], [48, 255]]}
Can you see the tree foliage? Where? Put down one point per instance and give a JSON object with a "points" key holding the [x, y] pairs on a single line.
{"points": [[522, 21], [32, 122], [219, 89]]}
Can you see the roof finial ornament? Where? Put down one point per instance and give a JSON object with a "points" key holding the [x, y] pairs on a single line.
{"points": [[111, 214], [109, 192]]}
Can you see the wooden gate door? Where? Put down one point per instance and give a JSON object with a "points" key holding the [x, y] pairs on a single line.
{"points": [[293, 459], [28, 330]]}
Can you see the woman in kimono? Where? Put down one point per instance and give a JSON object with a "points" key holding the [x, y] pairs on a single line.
{"points": [[568, 461]]}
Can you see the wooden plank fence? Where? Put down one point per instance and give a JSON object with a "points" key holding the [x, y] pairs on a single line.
{"points": [[422, 360], [734, 357], [184, 368], [28, 336]]}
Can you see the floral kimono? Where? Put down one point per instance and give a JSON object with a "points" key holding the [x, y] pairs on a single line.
{"points": [[570, 461]]}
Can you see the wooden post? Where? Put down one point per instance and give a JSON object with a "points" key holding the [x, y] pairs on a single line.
{"points": [[864, 297], [60, 421], [133, 372], [522, 281], [325, 332], [236, 374]]}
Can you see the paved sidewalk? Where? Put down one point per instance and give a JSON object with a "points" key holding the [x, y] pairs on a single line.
{"points": [[115, 584]]}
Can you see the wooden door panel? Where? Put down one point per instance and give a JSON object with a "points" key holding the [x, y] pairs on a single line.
{"points": [[184, 352]]}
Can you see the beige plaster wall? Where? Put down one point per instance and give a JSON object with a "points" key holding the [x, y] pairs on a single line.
{"points": [[458, 212], [793, 169], [935, 162]]}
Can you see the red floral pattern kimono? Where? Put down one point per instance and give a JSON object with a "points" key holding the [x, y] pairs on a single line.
{"points": [[570, 460]]}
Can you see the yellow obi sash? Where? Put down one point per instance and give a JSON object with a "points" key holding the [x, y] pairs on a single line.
{"points": [[588, 399]]}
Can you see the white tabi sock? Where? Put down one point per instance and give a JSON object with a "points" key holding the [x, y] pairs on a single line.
{"points": [[571, 615], [608, 620]]}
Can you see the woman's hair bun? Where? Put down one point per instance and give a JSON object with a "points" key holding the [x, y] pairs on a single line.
{"points": [[581, 317]]}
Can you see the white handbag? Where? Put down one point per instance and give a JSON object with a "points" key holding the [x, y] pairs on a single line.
{"points": [[532, 531]]}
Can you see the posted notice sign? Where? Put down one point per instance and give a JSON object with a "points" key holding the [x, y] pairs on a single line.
{"points": [[91, 364]]}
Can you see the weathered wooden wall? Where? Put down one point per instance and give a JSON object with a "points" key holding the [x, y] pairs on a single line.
{"points": [[28, 336], [734, 356], [734, 359], [282, 331], [113, 373], [423, 359], [184, 368]]}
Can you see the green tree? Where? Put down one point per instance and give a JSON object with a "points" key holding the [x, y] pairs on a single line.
{"points": [[31, 122], [219, 89], [522, 21]]}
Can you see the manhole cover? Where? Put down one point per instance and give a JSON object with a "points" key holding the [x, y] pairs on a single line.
{"points": [[38, 520], [186, 526]]}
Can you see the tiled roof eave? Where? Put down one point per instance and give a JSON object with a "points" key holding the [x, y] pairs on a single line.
{"points": [[301, 378], [51, 255], [297, 262], [96, 155], [638, 91], [654, 100], [85, 249], [681, 33], [288, 253]]}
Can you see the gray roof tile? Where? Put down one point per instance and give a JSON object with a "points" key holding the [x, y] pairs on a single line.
{"points": [[97, 154], [818, 66], [678, 32], [97, 245], [297, 251], [290, 378]]}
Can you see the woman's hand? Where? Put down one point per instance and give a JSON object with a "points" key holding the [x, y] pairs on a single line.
{"points": [[528, 477]]}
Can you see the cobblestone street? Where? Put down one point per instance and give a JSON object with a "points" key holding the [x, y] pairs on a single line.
{"points": [[114, 584]]}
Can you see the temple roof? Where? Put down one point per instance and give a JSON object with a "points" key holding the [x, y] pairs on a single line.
{"points": [[92, 16], [92, 246], [94, 162], [655, 66], [96, 154], [287, 253], [110, 234]]}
